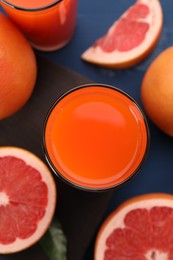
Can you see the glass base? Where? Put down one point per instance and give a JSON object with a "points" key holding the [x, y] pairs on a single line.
{"points": [[50, 48]]}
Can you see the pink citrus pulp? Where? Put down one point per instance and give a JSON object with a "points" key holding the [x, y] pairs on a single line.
{"points": [[140, 229], [130, 38], [27, 199]]}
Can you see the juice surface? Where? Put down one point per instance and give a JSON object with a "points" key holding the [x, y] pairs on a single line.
{"points": [[96, 137], [31, 4]]}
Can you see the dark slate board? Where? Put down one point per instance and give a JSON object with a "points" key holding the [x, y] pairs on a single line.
{"points": [[80, 212]]}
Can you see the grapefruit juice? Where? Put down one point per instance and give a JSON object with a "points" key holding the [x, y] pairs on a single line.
{"points": [[95, 137], [48, 24]]}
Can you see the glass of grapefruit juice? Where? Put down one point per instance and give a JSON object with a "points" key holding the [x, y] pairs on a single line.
{"points": [[48, 24], [95, 137]]}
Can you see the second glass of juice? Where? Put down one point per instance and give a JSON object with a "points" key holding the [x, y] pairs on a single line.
{"points": [[95, 137], [48, 24]]}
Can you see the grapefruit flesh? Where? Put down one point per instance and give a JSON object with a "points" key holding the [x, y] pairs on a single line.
{"points": [[27, 199], [130, 39], [140, 229]]}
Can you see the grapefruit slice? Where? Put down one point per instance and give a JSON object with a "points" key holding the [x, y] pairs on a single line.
{"points": [[27, 199], [140, 229], [130, 39]]}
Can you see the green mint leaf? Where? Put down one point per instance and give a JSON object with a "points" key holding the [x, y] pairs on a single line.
{"points": [[54, 242]]}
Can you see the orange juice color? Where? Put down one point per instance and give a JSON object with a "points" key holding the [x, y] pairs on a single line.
{"points": [[96, 137], [48, 28]]}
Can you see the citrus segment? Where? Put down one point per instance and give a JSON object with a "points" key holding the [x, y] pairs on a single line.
{"points": [[27, 199], [126, 30], [130, 38], [140, 229]]}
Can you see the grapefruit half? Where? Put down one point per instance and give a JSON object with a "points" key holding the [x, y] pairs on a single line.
{"points": [[130, 39], [140, 229], [27, 199]]}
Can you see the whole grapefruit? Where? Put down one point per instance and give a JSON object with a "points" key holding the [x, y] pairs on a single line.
{"points": [[130, 38], [27, 199], [157, 91], [18, 68], [139, 229]]}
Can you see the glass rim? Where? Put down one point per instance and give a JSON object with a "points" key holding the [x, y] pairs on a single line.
{"points": [[85, 187], [17, 7]]}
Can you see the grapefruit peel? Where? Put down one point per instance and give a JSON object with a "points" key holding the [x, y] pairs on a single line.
{"points": [[151, 244], [43, 223], [18, 68], [115, 56], [157, 91]]}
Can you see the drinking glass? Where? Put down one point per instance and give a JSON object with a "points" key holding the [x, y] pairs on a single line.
{"points": [[95, 137], [48, 25]]}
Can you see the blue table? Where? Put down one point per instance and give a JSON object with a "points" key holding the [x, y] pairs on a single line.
{"points": [[94, 18]]}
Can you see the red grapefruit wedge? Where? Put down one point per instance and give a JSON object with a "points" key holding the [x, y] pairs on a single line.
{"points": [[130, 39], [140, 229], [27, 199]]}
